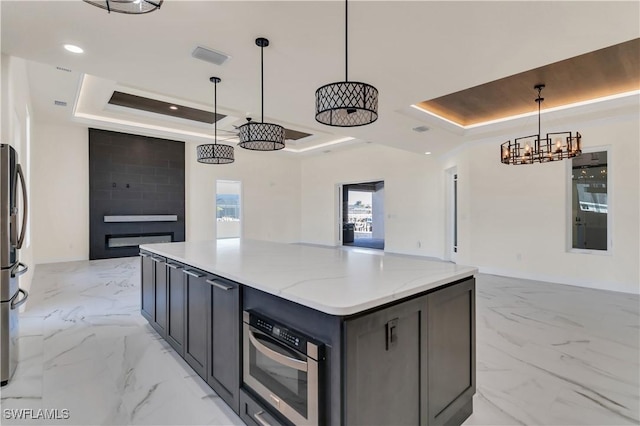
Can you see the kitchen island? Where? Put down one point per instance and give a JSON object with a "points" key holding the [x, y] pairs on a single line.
{"points": [[296, 334]]}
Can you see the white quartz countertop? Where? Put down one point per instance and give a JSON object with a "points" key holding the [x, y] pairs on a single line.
{"points": [[330, 280]]}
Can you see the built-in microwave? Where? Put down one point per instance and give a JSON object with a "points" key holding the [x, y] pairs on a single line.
{"points": [[283, 367]]}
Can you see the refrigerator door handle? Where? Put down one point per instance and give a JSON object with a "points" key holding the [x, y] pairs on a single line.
{"points": [[17, 304], [24, 269], [25, 209]]}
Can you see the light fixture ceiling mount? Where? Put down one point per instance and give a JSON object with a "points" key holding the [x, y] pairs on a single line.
{"points": [[131, 7], [215, 153], [535, 149], [346, 103], [261, 136]]}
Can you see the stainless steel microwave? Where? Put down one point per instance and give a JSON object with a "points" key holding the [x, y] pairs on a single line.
{"points": [[283, 366]]}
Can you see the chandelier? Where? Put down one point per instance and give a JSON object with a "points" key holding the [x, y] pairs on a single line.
{"points": [[215, 153], [133, 7], [346, 103], [261, 136], [534, 149]]}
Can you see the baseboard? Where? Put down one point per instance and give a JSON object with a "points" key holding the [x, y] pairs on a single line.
{"points": [[577, 282]]}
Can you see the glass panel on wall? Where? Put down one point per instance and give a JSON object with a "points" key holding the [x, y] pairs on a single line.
{"points": [[228, 215], [590, 204]]}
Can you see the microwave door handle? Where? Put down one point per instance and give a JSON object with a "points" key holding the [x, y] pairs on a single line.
{"points": [[25, 207], [277, 356]]}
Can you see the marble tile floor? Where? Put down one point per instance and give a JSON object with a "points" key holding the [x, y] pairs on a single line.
{"points": [[547, 354]]}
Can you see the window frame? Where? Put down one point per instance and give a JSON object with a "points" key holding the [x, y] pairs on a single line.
{"points": [[610, 204]]}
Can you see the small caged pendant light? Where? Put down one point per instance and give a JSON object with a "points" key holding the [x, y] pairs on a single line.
{"points": [[346, 103], [215, 153], [261, 136]]}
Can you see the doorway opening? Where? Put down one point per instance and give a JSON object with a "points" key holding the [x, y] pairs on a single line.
{"points": [[363, 215], [228, 209]]}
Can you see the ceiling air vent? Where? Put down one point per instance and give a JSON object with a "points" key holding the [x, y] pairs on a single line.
{"points": [[210, 55], [63, 69], [421, 129], [60, 103]]}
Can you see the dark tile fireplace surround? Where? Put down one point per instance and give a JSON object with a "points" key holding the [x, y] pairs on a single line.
{"points": [[136, 192]]}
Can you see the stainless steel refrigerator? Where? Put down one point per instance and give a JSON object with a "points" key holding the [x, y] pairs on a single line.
{"points": [[12, 235]]}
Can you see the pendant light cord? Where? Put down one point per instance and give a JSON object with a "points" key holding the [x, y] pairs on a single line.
{"points": [[346, 39], [262, 82], [215, 112], [539, 101]]}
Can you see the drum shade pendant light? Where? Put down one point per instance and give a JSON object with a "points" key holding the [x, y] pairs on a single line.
{"points": [[132, 7], [534, 149], [215, 153], [261, 136], [346, 103]]}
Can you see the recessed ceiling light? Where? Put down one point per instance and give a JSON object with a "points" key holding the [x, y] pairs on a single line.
{"points": [[173, 107], [73, 48], [427, 153]]}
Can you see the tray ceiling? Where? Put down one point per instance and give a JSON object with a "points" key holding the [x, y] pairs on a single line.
{"points": [[604, 72]]}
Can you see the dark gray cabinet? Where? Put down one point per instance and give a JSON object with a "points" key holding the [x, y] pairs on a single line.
{"points": [[451, 347], [160, 299], [422, 349], [154, 291], [147, 282], [253, 414], [197, 307], [384, 354], [224, 351], [176, 321]]}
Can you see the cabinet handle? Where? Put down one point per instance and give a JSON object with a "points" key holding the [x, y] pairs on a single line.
{"points": [[260, 420], [193, 273], [157, 259], [218, 284], [174, 266], [144, 255]]}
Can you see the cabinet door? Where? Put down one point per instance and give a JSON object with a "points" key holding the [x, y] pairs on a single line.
{"points": [[224, 357], [451, 353], [147, 284], [176, 307], [161, 295], [198, 297], [384, 352]]}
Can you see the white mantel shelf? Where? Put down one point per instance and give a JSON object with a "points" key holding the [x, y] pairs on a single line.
{"points": [[142, 218], [330, 280]]}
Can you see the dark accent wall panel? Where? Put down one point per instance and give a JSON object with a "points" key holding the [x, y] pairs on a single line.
{"points": [[133, 175]]}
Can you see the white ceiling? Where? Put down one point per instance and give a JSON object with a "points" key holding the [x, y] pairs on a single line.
{"points": [[410, 50]]}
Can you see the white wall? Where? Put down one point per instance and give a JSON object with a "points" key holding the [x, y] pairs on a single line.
{"points": [[514, 219], [60, 161], [15, 104], [270, 195], [413, 193]]}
